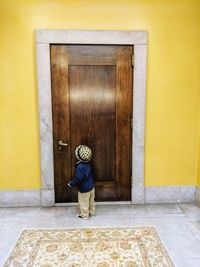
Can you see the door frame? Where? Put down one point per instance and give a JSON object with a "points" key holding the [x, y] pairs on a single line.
{"points": [[44, 38]]}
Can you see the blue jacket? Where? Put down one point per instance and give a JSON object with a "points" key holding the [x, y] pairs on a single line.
{"points": [[83, 178]]}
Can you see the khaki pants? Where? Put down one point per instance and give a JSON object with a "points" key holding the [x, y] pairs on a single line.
{"points": [[86, 203]]}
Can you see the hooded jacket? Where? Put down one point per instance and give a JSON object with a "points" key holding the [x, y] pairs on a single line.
{"points": [[83, 178]]}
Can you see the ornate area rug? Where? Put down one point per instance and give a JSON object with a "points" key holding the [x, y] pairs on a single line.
{"points": [[100, 247]]}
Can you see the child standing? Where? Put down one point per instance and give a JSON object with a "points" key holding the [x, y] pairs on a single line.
{"points": [[84, 182]]}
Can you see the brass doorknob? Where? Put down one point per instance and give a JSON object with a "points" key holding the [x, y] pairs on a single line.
{"points": [[61, 143]]}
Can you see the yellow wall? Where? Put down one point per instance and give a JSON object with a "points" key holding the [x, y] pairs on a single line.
{"points": [[198, 136], [198, 168], [173, 81]]}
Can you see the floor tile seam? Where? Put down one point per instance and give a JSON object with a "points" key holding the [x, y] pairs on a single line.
{"points": [[12, 216], [24, 209], [194, 231], [182, 208], [187, 210], [159, 216], [55, 218], [18, 220], [145, 215], [176, 210], [193, 258], [167, 236], [166, 213], [60, 219], [176, 255], [198, 228], [4, 210], [47, 210]]}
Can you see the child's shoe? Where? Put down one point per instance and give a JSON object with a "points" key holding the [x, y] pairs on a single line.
{"points": [[78, 216]]}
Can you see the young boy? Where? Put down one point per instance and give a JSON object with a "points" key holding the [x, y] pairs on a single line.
{"points": [[84, 181]]}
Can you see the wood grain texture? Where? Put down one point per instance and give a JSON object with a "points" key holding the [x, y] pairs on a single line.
{"points": [[92, 117], [61, 124], [92, 105], [91, 55], [124, 82]]}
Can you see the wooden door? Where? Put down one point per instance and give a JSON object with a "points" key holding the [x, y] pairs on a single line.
{"points": [[92, 105]]}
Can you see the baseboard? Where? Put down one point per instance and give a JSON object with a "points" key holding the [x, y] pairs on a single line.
{"points": [[153, 194], [198, 195], [19, 198], [170, 194]]}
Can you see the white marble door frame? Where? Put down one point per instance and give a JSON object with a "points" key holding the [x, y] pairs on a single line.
{"points": [[43, 40]]}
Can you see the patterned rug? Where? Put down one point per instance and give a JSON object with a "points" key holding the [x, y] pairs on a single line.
{"points": [[100, 247]]}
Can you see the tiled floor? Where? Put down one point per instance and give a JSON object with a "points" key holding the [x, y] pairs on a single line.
{"points": [[178, 225]]}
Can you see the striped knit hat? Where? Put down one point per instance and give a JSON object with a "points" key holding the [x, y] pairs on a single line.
{"points": [[83, 153]]}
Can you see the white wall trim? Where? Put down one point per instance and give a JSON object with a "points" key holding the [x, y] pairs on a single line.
{"points": [[19, 198], [198, 194], [43, 40], [153, 194], [139, 116], [90, 37], [170, 194]]}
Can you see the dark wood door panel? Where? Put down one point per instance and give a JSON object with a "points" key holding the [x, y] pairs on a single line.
{"points": [[92, 105], [124, 81], [92, 116], [60, 107], [91, 55], [106, 191]]}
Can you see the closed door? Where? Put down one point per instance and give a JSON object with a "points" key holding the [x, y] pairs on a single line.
{"points": [[92, 105]]}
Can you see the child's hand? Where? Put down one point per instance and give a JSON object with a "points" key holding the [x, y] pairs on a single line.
{"points": [[69, 185]]}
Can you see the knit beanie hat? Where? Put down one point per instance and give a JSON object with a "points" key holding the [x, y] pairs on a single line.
{"points": [[83, 153]]}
